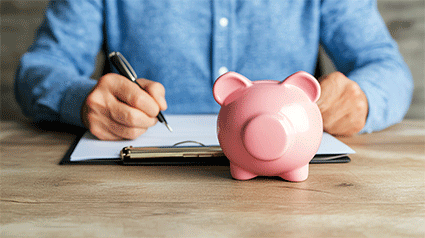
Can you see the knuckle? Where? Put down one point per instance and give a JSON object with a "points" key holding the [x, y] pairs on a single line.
{"points": [[108, 77], [107, 80], [91, 97], [337, 74], [354, 89], [125, 117], [361, 106], [104, 79], [136, 100], [157, 87], [91, 100], [130, 118]]}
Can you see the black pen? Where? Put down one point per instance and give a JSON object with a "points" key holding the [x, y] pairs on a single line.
{"points": [[125, 69]]}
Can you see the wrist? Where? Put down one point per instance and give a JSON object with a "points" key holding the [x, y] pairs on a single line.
{"points": [[75, 96]]}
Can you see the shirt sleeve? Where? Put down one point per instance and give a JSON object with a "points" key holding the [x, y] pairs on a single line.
{"points": [[53, 78], [356, 39]]}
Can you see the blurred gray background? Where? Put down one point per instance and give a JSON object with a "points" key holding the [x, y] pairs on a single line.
{"points": [[20, 19]]}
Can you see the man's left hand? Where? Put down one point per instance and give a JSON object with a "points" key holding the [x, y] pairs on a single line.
{"points": [[343, 105]]}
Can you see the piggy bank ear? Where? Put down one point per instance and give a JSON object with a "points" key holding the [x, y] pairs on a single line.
{"points": [[228, 83], [305, 82]]}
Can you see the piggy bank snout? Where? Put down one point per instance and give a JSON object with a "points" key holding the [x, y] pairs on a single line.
{"points": [[267, 137]]}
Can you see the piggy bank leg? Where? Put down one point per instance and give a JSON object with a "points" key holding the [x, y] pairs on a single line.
{"points": [[239, 173], [296, 175]]}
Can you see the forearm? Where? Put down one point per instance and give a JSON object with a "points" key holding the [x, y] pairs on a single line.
{"points": [[388, 87], [355, 37], [49, 92], [53, 78]]}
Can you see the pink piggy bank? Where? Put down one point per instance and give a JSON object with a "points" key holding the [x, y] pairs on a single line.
{"points": [[267, 127]]}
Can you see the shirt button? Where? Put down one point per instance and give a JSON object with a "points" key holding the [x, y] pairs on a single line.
{"points": [[222, 70], [224, 22]]}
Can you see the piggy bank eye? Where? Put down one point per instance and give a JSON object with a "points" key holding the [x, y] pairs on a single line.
{"points": [[227, 84]]}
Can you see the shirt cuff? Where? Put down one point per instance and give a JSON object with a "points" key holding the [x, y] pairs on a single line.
{"points": [[372, 108], [73, 101]]}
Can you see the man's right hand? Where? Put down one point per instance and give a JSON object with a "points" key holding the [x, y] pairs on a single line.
{"points": [[118, 109]]}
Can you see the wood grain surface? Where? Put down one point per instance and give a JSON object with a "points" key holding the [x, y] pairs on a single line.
{"points": [[380, 193]]}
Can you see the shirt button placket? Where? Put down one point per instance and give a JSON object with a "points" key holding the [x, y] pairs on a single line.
{"points": [[221, 38], [224, 21]]}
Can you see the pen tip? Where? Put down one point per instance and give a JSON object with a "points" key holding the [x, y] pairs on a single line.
{"points": [[169, 128]]}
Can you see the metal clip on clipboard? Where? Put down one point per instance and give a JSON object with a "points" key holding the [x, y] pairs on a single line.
{"points": [[175, 155]]}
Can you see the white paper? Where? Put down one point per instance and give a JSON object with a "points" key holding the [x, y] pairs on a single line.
{"points": [[200, 128]]}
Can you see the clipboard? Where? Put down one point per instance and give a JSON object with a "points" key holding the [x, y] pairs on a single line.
{"points": [[186, 155], [160, 147], [211, 155]]}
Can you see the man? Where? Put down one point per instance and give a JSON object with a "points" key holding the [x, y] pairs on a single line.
{"points": [[183, 46]]}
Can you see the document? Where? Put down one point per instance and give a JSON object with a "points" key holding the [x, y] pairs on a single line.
{"points": [[194, 128]]}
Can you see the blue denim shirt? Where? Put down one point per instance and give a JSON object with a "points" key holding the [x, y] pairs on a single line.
{"points": [[187, 44]]}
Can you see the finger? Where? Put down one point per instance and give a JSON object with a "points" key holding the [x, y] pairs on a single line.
{"points": [[99, 128], [337, 127], [333, 114], [130, 116], [156, 90], [105, 128], [343, 120], [131, 94], [345, 126], [332, 102], [106, 135], [124, 132], [329, 94]]}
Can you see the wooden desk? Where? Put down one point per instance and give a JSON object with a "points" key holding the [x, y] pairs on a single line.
{"points": [[380, 193]]}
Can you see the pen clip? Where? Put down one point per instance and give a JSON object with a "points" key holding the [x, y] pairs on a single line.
{"points": [[122, 65]]}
